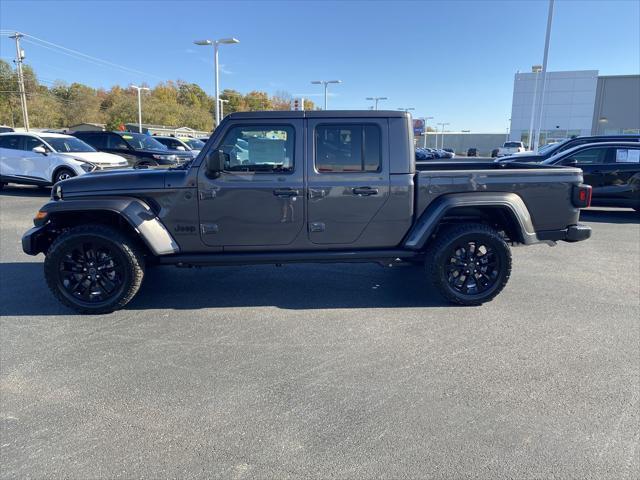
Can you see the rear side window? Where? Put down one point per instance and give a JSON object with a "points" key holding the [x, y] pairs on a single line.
{"points": [[348, 148], [11, 142], [96, 141], [590, 156], [117, 142]]}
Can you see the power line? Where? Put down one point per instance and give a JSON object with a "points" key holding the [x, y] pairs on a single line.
{"points": [[83, 56]]}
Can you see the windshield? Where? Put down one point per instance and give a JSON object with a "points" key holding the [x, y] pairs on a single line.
{"points": [[550, 147], [193, 143], [68, 144], [143, 142]]}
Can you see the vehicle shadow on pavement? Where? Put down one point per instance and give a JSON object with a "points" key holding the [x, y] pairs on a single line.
{"points": [[23, 290], [610, 216]]}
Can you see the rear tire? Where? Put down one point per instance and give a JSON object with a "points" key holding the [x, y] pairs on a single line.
{"points": [[94, 269], [468, 264]]}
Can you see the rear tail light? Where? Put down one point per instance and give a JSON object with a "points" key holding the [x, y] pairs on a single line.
{"points": [[582, 196]]}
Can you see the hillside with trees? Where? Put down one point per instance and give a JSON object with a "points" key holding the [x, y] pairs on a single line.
{"points": [[172, 103]]}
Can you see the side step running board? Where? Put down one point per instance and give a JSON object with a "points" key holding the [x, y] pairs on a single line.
{"points": [[251, 258]]}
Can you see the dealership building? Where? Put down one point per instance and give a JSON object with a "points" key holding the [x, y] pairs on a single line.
{"points": [[575, 103]]}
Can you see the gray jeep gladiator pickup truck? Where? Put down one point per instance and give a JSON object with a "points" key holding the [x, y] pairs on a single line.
{"points": [[321, 186]]}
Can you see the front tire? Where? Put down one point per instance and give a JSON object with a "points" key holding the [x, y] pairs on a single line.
{"points": [[469, 264], [63, 174], [94, 269]]}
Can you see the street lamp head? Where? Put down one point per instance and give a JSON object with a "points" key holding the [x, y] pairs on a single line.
{"points": [[369, 98], [334, 81], [203, 42], [316, 82], [228, 40]]}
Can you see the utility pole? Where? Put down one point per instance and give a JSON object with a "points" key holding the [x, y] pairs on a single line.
{"points": [[376, 100], [426, 119], [325, 83], [441, 135], [544, 74], [23, 95]]}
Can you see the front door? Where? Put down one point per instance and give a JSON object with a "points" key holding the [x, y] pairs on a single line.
{"points": [[34, 165], [348, 177], [259, 199]]}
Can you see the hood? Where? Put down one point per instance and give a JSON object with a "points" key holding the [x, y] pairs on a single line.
{"points": [[97, 158], [114, 180]]}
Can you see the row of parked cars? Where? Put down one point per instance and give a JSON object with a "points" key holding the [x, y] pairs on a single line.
{"points": [[424, 154], [44, 158]]}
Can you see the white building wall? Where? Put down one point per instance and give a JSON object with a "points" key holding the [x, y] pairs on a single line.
{"points": [[567, 108]]}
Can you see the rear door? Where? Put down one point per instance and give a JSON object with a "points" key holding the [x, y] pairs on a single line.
{"points": [[259, 200], [348, 177]]}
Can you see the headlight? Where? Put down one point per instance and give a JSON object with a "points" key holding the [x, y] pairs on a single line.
{"points": [[56, 192], [87, 167]]}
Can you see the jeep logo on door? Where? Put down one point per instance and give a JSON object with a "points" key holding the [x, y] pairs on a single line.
{"points": [[184, 229]]}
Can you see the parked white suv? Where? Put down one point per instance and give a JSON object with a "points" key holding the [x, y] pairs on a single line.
{"points": [[46, 158]]}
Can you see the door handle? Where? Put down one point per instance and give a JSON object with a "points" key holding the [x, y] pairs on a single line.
{"points": [[286, 192], [364, 191]]}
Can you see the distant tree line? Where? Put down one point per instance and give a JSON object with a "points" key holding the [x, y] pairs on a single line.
{"points": [[172, 103]]}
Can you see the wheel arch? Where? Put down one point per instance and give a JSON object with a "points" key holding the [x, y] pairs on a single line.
{"points": [[129, 215], [61, 167], [503, 211]]}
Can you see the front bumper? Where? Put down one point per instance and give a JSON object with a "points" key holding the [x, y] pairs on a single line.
{"points": [[573, 233], [35, 240]]}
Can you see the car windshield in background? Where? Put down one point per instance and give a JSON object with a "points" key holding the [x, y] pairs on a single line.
{"points": [[194, 143], [550, 147], [68, 144], [512, 144], [140, 141]]}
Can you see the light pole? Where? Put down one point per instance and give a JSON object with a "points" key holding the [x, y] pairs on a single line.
{"points": [[426, 119], [536, 69], [222, 102], [544, 72], [376, 99], [506, 139], [216, 44], [325, 83], [139, 89], [406, 109], [442, 135]]}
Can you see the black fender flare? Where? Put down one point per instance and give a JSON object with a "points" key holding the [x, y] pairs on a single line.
{"points": [[436, 211], [136, 212]]}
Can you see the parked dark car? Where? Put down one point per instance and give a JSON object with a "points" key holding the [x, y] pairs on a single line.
{"points": [[5, 129], [549, 151], [139, 149], [259, 193], [472, 152], [611, 168], [424, 154]]}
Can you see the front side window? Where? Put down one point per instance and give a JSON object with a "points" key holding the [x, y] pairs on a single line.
{"points": [[11, 142], [348, 148], [590, 156], [261, 148], [31, 142]]}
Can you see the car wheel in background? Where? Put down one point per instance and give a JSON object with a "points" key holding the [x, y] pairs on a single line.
{"points": [[63, 174], [469, 264]]}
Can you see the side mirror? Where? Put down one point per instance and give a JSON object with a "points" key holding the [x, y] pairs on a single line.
{"points": [[214, 163], [572, 162], [39, 149], [180, 147]]}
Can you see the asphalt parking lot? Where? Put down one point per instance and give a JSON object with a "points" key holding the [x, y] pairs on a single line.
{"points": [[327, 371]]}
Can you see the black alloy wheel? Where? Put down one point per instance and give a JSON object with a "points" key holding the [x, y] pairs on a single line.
{"points": [[94, 268], [469, 264], [63, 174]]}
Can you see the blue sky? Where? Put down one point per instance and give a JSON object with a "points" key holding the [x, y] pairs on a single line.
{"points": [[453, 60]]}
